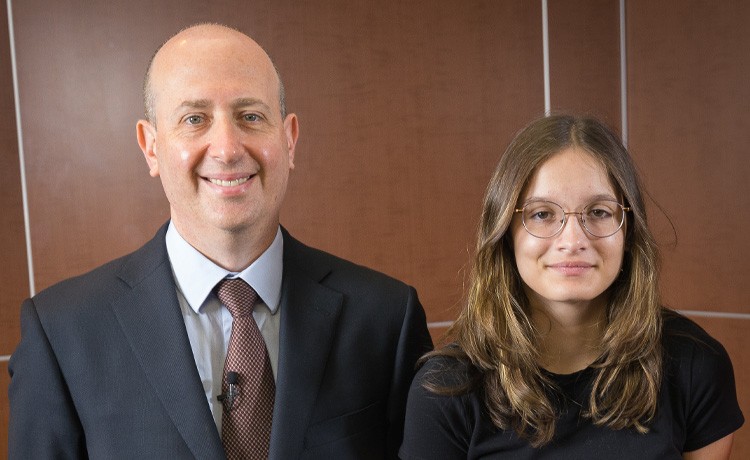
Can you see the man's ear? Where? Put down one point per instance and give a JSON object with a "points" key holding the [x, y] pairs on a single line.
{"points": [[146, 133], [291, 131]]}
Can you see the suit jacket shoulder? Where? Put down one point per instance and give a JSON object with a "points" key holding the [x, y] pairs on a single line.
{"points": [[107, 356], [350, 338]]}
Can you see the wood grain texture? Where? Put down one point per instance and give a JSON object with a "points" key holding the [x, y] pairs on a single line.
{"points": [[584, 55], [689, 132], [14, 278]]}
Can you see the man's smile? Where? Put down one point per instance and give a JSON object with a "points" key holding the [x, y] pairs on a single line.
{"points": [[229, 183]]}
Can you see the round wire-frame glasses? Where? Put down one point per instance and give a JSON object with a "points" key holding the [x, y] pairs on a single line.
{"points": [[545, 219]]}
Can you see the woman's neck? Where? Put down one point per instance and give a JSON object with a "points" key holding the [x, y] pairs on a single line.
{"points": [[569, 334]]}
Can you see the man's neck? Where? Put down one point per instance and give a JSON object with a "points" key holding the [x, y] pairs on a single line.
{"points": [[232, 250]]}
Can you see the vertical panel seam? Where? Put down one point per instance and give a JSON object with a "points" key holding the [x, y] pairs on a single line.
{"points": [[21, 157], [545, 54], [623, 77]]}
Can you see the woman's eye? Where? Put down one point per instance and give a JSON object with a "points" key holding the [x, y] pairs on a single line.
{"points": [[542, 215], [600, 213]]}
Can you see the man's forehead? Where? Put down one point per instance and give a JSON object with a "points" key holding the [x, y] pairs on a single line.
{"points": [[200, 69], [212, 65], [198, 39], [238, 103]]}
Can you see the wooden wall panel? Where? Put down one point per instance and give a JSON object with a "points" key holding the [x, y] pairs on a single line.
{"points": [[405, 110], [80, 67], [14, 279], [689, 130], [688, 97], [584, 56]]}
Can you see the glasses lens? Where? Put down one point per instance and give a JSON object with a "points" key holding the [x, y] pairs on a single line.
{"points": [[603, 218], [543, 219]]}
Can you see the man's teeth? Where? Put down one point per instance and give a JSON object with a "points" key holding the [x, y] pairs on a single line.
{"points": [[229, 183]]}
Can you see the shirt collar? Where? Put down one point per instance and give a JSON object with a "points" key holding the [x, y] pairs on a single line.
{"points": [[196, 275]]}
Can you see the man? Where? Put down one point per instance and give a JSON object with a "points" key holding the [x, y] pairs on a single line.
{"points": [[128, 361]]}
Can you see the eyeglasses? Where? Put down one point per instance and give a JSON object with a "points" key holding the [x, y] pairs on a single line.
{"points": [[545, 219]]}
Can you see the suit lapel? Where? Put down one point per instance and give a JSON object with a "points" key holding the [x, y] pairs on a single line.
{"points": [[309, 315], [149, 314]]}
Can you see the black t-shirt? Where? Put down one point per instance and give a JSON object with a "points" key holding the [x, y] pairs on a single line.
{"points": [[697, 406]]}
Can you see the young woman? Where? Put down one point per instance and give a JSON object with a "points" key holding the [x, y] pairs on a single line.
{"points": [[563, 349]]}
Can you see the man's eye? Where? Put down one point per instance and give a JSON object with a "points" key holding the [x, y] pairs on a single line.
{"points": [[251, 117], [194, 119]]}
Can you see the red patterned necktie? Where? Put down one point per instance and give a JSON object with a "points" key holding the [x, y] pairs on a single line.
{"points": [[246, 423]]}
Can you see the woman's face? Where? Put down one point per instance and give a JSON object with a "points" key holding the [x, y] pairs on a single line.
{"points": [[573, 267]]}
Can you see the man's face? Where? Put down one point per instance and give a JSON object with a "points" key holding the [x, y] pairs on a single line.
{"points": [[219, 144]]}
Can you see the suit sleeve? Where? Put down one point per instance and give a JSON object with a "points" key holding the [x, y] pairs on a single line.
{"points": [[414, 341], [43, 420]]}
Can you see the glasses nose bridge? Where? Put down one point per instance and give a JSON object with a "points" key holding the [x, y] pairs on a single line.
{"points": [[579, 217], [578, 214]]}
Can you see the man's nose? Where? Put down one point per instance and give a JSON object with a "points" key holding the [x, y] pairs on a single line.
{"points": [[225, 141]]}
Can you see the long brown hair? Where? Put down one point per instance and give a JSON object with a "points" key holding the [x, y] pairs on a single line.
{"points": [[494, 332]]}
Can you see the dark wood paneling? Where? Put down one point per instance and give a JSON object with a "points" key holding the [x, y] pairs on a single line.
{"points": [[584, 55], [14, 278], [688, 96], [405, 108], [80, 67], [687, 107]]}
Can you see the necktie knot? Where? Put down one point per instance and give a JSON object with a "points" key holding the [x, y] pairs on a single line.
{"points": [[237, 296]]}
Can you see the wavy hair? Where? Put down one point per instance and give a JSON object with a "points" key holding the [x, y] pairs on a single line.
{"points": [[494, 333]]}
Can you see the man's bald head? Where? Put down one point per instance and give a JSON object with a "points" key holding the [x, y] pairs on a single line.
{"points": [[204, 31]]}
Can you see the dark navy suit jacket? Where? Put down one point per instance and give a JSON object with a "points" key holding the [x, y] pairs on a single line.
{"points": [[105, 369]]}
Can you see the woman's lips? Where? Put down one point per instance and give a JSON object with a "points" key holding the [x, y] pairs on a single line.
{"points": [[571, 268]]}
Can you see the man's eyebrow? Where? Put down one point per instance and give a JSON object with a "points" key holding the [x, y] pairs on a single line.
{"points": [[194, 104], [249, 102], [236, 104]]}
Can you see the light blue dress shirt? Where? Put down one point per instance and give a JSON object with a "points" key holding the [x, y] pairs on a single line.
{"points": [[208, 322]]}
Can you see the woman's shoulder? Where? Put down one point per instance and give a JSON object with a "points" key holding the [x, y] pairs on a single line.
{"points": [[700, 382], [682, 336], [447, 368], [443, 409], [690, 351]]}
